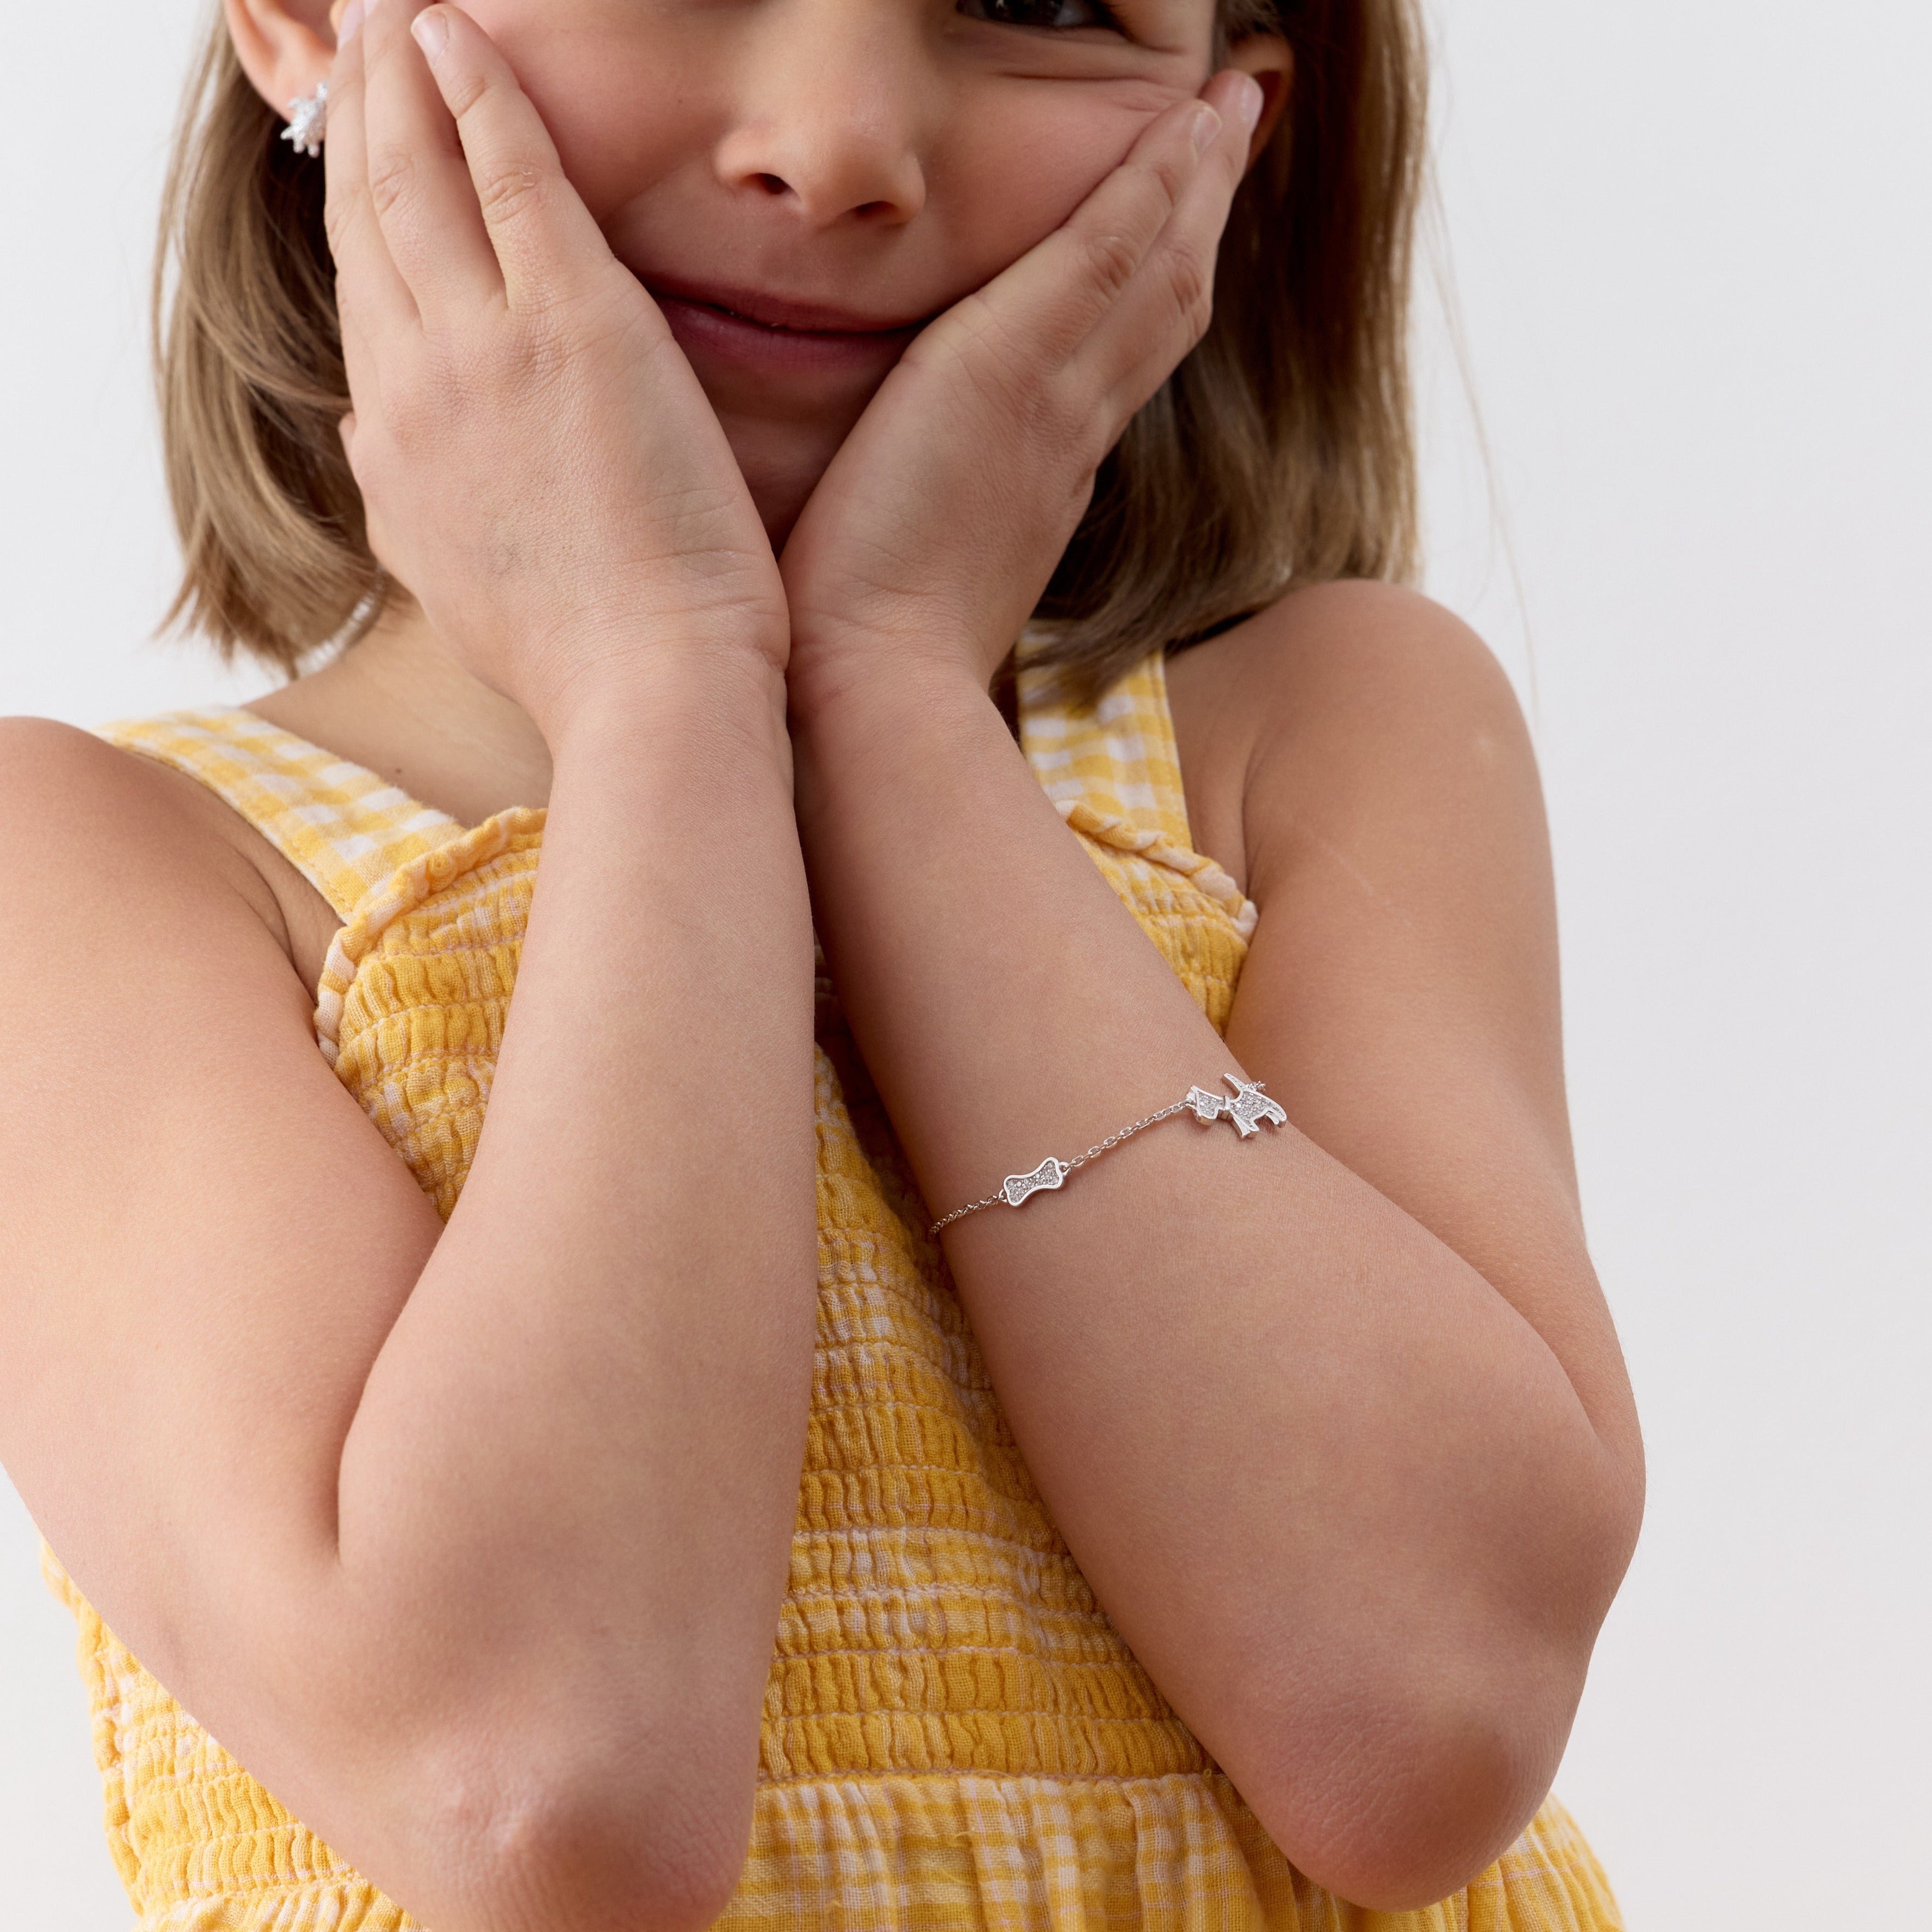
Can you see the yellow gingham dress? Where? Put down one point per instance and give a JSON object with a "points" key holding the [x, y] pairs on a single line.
{"points": [[954, 1737]]}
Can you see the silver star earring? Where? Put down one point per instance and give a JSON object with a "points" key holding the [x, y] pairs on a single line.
{"points": [[306, 118]]}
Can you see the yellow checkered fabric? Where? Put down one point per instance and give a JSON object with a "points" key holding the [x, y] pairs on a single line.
{"points": [[954, 1736], [1114, 775], [343, 828]]}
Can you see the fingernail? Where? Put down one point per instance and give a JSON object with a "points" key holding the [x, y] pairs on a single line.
{"points": [[432, 31], [349, 25], [1248, 103], [1206, 125]]}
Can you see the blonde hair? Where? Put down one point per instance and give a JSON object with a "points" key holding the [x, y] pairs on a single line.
{"points": [[1280, 453]]}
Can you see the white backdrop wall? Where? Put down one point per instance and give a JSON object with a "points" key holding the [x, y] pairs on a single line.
{"points": [[1691, 248]]}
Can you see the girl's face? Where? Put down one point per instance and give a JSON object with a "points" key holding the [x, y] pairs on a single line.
{"points": [[849, 167], [802, 183]]}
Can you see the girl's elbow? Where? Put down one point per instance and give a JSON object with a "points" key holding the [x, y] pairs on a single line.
{"points": [[503, 1833], [609, 1862], [1420, 1793]]}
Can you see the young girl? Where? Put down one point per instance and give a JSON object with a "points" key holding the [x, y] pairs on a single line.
{"points": [[696, 1485]]}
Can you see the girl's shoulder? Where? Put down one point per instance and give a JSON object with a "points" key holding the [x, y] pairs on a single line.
{"points": [[80, 807], [1346, 701]]}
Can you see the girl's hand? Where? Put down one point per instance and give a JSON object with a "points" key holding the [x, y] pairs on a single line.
{"points": [[932, 535], [540, 468]]}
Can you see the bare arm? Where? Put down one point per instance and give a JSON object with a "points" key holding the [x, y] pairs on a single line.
{"points": [[1335, 1421], [469, 1542]]}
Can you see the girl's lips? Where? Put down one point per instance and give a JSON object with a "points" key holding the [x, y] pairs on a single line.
{"points": [[753, 330]]}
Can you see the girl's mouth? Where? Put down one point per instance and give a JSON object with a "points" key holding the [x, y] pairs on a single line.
{"points": [[751, 330]]}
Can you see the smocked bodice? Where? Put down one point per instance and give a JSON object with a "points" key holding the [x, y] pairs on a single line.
{"points": [[954, 1736]]}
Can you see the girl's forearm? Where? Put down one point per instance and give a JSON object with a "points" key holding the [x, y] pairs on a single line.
{"points": [[1329, 1484], [575, 1465]]}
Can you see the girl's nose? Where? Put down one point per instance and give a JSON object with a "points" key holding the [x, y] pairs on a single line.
{"points": [[828, 97]]}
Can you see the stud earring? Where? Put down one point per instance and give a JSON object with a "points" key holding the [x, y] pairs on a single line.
{"points": [[306, 119]]}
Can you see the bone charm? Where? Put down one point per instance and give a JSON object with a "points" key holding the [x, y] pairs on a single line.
{"points": [[1248, 1107], [1018, 1187]]}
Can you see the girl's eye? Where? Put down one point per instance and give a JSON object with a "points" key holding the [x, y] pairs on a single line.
{"points": [[1060, 14]]}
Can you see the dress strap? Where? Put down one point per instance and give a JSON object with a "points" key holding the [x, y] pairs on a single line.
{"points": [[344, 828], [1117, 754], [1113, 771]]}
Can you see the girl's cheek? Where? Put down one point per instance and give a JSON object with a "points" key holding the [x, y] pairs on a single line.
{"points": [[1011, 169], [624, 108]]}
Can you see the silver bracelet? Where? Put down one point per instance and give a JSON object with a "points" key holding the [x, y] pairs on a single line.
{"points": [[1248, 1107]]}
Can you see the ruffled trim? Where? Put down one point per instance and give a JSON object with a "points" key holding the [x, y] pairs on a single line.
{"points": [[53, 1573], [1175, 1854], [1124, 835], [406, 889]]}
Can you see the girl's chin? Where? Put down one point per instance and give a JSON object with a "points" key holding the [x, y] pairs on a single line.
{"points": [[782, 466]]}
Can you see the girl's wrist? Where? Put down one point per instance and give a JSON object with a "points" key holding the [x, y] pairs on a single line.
{"points": [[618, 704], [881, 737], [832, 689]]}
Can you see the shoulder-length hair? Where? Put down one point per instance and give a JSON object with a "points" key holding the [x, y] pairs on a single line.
{"points": [[1280, 453]]}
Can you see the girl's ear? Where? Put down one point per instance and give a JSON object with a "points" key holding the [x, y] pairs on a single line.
{"points": [[1271, 61], [286, 47]]}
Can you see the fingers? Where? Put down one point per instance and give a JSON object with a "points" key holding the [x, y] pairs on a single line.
{"points": [[418, 183], [1058, 291], [545, 242], [372, 296], [1113, 298], [445, 192], [1136, 344]]}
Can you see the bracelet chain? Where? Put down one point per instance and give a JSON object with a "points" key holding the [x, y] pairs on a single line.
{"points": [[1246, 1110]]}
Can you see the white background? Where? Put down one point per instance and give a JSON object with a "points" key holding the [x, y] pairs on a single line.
{"points": [[1691, 246]]}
